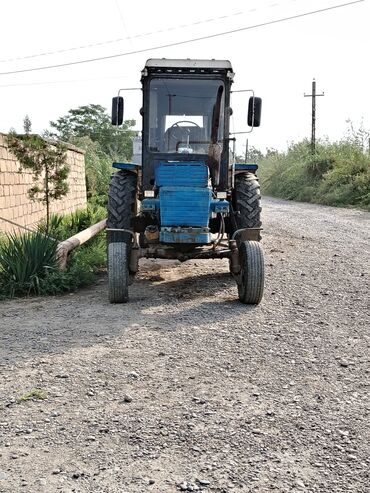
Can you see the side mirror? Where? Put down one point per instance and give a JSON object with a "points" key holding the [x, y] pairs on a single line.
{"points": [[254, 111], [117, 110]]}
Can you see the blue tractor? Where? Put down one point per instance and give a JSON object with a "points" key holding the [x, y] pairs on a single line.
{"points": [[187, 198]]}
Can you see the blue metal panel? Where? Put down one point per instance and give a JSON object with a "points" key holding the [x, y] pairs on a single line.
{"points": [[220, 206], [149, 205], [246, 167], [129, 166], [184, 206], [185, 235], [182, 174]]}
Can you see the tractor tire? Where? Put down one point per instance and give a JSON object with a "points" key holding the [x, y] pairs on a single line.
{"points": [[252, 275], [247, 201], [121, 206], [121, 209], [118, 275]]}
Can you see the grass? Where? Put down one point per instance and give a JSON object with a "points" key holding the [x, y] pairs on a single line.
{"points": [[33, 394], [337, 174], [25, 261], [28, 261]]}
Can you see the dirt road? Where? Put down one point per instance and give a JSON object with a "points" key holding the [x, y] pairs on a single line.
{"points": [[185, 389]]}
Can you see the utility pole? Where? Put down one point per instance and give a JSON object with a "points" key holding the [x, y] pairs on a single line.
{"points": [[313, 129], [246, 151]]}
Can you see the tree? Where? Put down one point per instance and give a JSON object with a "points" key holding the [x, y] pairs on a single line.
{"points": [[93, 121], [27, 125], [47, 162], [98, 167], [254, 155]]}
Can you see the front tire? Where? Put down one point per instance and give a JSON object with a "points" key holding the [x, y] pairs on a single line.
{"points": [[251, 278], [118, 275]]}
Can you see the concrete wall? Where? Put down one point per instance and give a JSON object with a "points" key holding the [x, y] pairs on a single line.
{"points": [[15, 204]]}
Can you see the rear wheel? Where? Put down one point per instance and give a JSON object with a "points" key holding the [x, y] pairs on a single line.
{"points": [[121, 209], [121, 205], [247, 201], [252, 274]]}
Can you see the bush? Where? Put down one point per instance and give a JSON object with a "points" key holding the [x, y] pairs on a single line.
{"points": [[62, 227], [25, 261], [98, 166], [28, 262], [337, 174]]}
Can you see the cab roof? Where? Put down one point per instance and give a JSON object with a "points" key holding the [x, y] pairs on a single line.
{"points": [[188, 63]]}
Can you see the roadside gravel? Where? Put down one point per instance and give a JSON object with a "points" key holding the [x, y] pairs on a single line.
{"points": [[186, 389]]}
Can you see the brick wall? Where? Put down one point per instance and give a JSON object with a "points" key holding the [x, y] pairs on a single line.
{"points": [[15, 204]]}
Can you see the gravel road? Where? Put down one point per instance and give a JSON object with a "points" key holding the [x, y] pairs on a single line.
{"points": [[186, 389]]}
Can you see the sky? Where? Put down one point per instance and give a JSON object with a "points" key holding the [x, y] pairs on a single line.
{"points": [[278, 60]]}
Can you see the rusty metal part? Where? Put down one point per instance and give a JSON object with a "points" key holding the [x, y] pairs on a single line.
{"points": [[134, 259], [151, 234], [172, 254], [234, 258], [122, 230], [247, 234]]}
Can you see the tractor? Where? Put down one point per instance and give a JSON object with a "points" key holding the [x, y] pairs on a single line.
{"points": [[187, 198]]}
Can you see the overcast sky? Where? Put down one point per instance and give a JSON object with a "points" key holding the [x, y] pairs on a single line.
{"points": [[278, 60]]}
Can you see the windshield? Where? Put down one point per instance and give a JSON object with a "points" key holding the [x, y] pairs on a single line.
{"points": [[186, 115]]}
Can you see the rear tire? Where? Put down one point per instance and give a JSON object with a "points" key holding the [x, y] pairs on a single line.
{"points": [[252, 275], [118, 275], [121, 209], [247, 201], [121, 205]]}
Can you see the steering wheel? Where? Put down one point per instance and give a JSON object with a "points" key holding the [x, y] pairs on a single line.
{"points": [[176, 125], [177, 133]]}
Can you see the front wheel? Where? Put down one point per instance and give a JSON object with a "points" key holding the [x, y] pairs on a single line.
{"points": [[251, 278], [118, 273]]}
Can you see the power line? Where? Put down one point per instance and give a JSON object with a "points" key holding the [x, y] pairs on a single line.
{"points": [[135, 36], [65, 81], [141, 35], [178, 43]]}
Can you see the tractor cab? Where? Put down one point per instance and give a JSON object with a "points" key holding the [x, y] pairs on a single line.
{"points": [[186, 115]]}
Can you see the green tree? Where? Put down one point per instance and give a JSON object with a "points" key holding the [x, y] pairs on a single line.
{"points": [[254, 155], [47, 162], [93, 121], [98, 166]]}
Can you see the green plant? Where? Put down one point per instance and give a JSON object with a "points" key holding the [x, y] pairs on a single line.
{"points": [[64, 226], [337, 174], [93, 121], [47, 162], [28, 265], [38, 394], [98, 165], [25, 260], [89, 127]]}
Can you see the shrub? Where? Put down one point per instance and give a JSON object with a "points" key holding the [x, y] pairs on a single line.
{"points": [[25, 260], [28, 262], [337, 174], [62, 227]]}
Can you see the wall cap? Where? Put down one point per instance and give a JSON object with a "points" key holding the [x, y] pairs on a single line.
{"points": [[69, 146]]}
